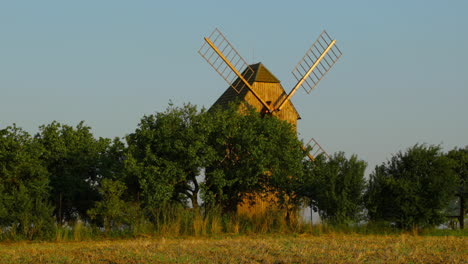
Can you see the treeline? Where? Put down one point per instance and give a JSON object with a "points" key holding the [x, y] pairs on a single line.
{"points": [[188, 170]]}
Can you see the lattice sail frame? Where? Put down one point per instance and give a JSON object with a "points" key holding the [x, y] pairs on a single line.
{"points": [[231, 54], [315, 149], [314, 54]]}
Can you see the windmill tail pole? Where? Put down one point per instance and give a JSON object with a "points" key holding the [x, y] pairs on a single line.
{"points": [[301, 81], [238, 74]]}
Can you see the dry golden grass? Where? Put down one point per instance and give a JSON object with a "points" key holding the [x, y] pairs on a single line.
{"points": [[328, 248]]}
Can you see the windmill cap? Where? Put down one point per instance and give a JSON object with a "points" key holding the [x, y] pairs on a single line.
{"points": [[262, 74]]}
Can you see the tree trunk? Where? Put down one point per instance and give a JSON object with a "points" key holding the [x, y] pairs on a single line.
{"points": [[461, 216], [59, 216], [194, 195], [194, 199], [311, 214]]}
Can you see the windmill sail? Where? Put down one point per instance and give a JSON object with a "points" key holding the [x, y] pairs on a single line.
{"points": [[314, 149], [313, 57], [221, 66], [317, 61], [222, 56]]}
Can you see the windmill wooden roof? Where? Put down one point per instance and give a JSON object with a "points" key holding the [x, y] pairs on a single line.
{"points": [[264, 76]]}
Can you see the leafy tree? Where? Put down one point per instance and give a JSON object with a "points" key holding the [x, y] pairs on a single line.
{"points": [[459, 158], [112, 211], [283, 154], [412, 189], [335, 187], [112, 161], [74, 159], [166, 154], [24, 186], [253, 155]]}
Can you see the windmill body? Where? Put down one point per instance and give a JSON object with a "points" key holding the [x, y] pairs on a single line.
{"points": [[266, 85]]}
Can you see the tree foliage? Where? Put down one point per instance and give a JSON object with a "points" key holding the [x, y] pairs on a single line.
{"points": [[412, 189], [459, 158], [238, 153], [166, 154], [335, 187], [24, 186], [184, 159], [112, 211], [254, 155], [73, 158]]}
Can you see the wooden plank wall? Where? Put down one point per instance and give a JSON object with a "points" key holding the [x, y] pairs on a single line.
{"points": [[272, 92]]}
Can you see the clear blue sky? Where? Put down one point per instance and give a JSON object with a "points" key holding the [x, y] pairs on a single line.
{"points": [[403, 78]]}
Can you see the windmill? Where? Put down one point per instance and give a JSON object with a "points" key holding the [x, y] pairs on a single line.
{"points": [[257, 86]]}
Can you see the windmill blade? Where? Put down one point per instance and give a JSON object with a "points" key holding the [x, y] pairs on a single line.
{"points": [[219, 53], [315, 149], [317, 61], [228, 63]]}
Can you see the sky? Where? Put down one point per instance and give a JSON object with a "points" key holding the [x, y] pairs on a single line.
{"points": [[402, 79]]}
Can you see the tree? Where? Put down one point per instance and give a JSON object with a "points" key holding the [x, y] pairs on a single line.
{"points": [[335, 187], [254, 155], [73, 158], [459, 158], [283, 154], [112, 211], [166, 154], [412, 189], [24, 186], [112, 161]]}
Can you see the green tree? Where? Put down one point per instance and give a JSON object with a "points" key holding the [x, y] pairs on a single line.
{"points": [[253, 155], [335, 187], [24, 186], [112, 211], [73, 158], [167, 153], [112, 161], [282, 152], [459, 157], [412, 189]]}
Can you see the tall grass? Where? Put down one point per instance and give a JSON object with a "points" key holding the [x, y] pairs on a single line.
{"points": [[178, 221]]}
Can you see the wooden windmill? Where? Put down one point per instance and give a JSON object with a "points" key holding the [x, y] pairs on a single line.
{"points": [[257, 86]]}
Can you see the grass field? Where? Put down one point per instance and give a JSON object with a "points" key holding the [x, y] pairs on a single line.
{"points": [[327, 248]]}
